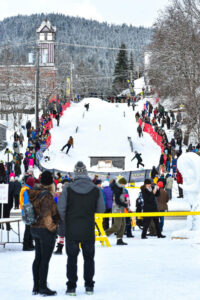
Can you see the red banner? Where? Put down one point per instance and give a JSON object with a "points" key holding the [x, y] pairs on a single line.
{"points": [[48, 141], [155, 136]]}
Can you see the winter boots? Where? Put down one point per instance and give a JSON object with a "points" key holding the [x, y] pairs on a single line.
{"points": [[89, 290], [47, 292], [59, 249], [71, 291], [120, 242]]}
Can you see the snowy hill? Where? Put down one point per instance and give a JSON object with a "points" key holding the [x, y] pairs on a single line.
{"points": [[102, 131]]}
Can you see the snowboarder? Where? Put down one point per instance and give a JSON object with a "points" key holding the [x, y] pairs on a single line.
{"points": [[87, 106], [69, 144], [139, 159]]}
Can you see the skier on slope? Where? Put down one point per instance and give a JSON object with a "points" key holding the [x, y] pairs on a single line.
{"points": [[69, 144], [139, 159]]}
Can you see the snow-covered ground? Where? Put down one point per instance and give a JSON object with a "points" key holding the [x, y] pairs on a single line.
{"points": [[154, 268], [102, 131]]}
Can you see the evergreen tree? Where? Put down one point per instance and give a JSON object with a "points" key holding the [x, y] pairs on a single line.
{"points": [[121, 71], [131, 67]]}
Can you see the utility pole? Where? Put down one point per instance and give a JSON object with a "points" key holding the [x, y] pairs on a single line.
{"points": [[71, 79], [37, 74]]}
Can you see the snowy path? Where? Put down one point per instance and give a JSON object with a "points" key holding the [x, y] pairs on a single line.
{"points": [[111, 140], [155, 269]]}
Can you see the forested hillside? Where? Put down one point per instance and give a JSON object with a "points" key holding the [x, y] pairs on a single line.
{"points": [[20, 33]]}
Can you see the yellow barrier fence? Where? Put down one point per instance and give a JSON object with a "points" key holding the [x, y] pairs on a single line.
{"points": [[100, 234]]}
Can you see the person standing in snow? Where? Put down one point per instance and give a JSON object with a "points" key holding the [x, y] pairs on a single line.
{"points": [[162, 200], [17, 188], [169, 185], [58, 118], [150, 205], [78, 203], [43, 231], [108, 198], [69, 144], [139, 159], [119, 204], [139, 130]]}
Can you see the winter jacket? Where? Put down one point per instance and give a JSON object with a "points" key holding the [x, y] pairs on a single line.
{"points": [[162, 200], [154, 172], [150, 204], [45, 209], [22, 193], [78, 203], [108, 197], [119, 199], [161, 159], [17, 187], [138, 157], [169, 183], [179, 178]]}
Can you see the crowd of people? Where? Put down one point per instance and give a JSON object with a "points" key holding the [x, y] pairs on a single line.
{"points": [[64, 207]]}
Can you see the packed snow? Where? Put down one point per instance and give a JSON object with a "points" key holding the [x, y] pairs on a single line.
{"points": [[102, 131], [153, 268]]}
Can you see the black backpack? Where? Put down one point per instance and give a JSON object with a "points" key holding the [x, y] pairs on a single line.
{"points": [[28, 213]]}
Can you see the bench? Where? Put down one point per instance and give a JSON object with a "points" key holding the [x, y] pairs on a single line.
{"points": [[5, 221]]}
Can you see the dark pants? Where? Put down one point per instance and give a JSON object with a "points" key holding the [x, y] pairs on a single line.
{"points": [[128, 228], [44, 245], [139, 163], [72, 249], [147, 221], [68, 147], [28, 240], [180, 190], [106, 220], [16, 201]]}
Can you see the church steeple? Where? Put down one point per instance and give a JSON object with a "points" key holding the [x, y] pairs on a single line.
{"points": [[46, 37]]}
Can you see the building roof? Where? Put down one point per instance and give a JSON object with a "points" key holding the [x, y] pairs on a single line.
{"points": [[46, 26]]}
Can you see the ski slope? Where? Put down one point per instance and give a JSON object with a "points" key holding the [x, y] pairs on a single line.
{"points": [[102, 131]]}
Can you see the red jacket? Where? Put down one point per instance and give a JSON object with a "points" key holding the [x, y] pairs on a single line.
{"points": [[179, 178]]}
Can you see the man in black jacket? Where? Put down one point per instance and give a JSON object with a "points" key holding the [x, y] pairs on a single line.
{"points": [[150, 205], [77, 205], [139, 159]]}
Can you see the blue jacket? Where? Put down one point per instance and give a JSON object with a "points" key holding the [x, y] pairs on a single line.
{"points": [[108, 193]]}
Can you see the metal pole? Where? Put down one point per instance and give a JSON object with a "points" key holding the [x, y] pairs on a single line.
{"points": [[71, 81], [36, 88]]}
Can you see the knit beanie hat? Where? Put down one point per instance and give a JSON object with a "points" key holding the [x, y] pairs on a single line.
{"points": [[46, 178], [98, 181], [122, 180], [160, 184], [147, 181], [80, 169], [30, 181]]}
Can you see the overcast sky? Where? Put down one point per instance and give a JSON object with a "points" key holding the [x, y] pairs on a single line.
{"points": [[135, 12]]}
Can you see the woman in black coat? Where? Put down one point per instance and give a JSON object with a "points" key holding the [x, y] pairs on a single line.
{"points": [[150, 205]]}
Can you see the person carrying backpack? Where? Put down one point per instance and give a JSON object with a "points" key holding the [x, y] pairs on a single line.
{"points": [[23, 196], [43, 231]]}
